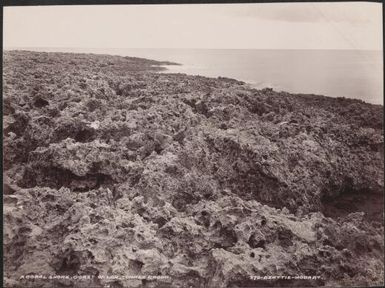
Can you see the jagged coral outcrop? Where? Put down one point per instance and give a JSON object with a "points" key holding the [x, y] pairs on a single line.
{"points": [[113, 169]]}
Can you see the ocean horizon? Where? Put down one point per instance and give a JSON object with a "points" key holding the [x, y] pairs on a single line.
{"points": [[356, 74]]}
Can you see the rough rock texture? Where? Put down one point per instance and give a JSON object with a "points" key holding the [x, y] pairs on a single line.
{"points": [[111, 168]]}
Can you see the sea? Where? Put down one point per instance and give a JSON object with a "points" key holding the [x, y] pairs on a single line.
{"points": [[336, 73]]}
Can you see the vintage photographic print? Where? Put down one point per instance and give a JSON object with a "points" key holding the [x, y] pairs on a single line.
{"points": [[191, 145]]}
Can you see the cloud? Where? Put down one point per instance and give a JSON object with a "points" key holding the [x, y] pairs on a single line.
{"points": [[354, 13]]}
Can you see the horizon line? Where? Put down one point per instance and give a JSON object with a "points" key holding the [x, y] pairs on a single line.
{"points": [[182, 48]]}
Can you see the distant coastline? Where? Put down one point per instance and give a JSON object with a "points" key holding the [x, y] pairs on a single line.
{"points": [[337, 73]]}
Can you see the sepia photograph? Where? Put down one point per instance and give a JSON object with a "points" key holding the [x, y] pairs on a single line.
{"points": [[193, 145]]}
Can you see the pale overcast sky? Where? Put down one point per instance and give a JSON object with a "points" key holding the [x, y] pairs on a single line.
{"points": [[348, 25]]}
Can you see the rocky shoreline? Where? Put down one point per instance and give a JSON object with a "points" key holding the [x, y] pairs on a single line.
{"points": [[111, 168]]}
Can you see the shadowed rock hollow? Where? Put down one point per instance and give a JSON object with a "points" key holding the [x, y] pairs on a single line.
{"points": [[111, 168]]}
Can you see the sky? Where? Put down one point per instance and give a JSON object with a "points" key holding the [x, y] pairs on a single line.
{"points": [[343, 25]]}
